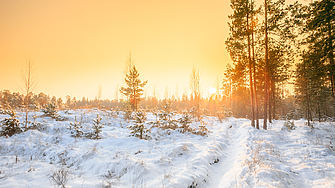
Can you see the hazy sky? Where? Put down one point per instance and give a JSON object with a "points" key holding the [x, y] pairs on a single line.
{"points": [[78, 45]]}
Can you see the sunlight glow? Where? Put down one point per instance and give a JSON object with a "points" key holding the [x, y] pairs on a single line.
{"points": [[212, 90]]}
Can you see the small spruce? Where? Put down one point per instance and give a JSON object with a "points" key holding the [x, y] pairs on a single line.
{"points": [[185, 122], [11, 125], [139, 129], [166, 117], [50, 111], [202, 130], [97, 126], [75, 128]]}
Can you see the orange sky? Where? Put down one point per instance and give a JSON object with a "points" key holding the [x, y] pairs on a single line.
{"points": [[78, 45]]}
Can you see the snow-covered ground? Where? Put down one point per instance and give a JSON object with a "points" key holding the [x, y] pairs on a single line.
{"points": [[233, 155]]}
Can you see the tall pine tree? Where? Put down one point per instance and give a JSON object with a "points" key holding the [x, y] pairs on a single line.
{"points": [[134, 89], [314, 84], [322, 30]]}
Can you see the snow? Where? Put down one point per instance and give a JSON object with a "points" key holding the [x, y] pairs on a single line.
{"points": [[234, 154]]}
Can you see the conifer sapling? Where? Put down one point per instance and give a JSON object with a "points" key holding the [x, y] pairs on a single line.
{"points": [[139, 129], [10, 126], [97, 126], [185, 122], [75, 128]]}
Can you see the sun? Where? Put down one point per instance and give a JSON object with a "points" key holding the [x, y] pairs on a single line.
{"points": [[212, 90]]}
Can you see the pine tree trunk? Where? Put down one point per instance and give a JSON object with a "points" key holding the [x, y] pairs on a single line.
{"points": [[274, 100], [319, 111], [331, 61], [230, 94], [254, 70], [309, 110], [330, 56], [308, 106], [266, 67], [270, 103], [250, 75]]}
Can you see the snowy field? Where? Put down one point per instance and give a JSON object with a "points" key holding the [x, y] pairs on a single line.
{"points": [[234, 154]]}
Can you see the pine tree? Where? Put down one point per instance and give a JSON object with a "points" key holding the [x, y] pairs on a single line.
{"points": [[185, 122], [10, 126], [281, 51], [139, 129], [75, 128], [50, 111], [250, 64], [261, 56], [134, 88], [97, 126], [266, 68], [166, 120], [321, 28], [315, 73], [239, 44]]}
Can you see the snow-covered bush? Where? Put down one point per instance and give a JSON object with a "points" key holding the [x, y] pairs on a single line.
{"points": [[139, 129], [50, 111], [127, 112], [112, 177], [156, 122], [2, 111], [166, 120], [75, 128], [114, 112], [11, 125], [59, 177], [185, 122], [35, 125], [290, 115], [226, 111], [289, 125], [196, 112], [202, 130]]}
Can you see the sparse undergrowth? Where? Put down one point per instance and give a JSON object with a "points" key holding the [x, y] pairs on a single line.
{"points": [[59, 177]]}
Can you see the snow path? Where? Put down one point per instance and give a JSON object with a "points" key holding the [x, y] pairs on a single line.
{"points": [[227, 172]]}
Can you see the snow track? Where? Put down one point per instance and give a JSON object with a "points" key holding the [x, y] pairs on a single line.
{"points": [[227, 172]]}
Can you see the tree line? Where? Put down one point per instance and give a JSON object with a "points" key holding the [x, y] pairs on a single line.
{"points": [[272, 45]]}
